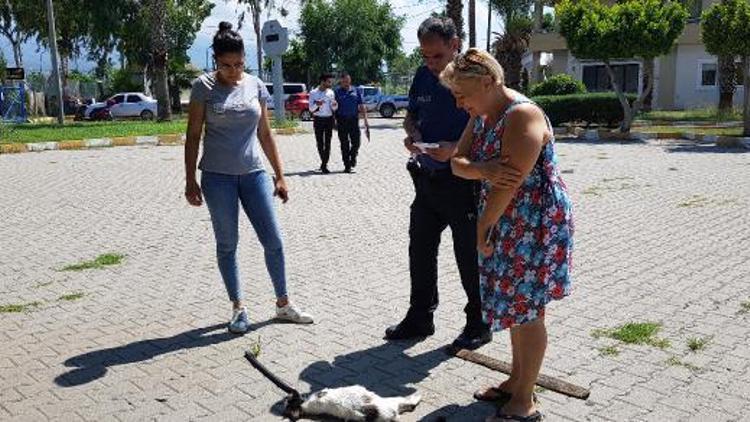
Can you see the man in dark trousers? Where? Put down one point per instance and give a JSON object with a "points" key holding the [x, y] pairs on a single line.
{"points": [[350, 104], [322, 105], [442, 199]]}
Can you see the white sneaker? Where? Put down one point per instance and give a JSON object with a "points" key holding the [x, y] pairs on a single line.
{"points": [[240, 323], [292, 314]]}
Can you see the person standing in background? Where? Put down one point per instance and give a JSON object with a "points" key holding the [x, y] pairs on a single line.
{"points": [[322, 106], [349, 100]]}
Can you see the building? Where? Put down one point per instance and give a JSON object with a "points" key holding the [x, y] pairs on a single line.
{"points": [[685, 78]]}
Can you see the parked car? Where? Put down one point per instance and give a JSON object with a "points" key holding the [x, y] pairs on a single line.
{"points": [[386, 105], [298, 106], [290, 88], [126, 104]]}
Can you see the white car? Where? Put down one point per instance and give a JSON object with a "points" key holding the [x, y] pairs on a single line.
{"points": [[127, 104], [289, 89]]}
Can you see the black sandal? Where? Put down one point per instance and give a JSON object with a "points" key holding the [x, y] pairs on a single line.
{"points": [[534, 417]]}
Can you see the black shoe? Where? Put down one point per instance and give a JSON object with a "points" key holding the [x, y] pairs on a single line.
{"points": [[347, 169], [408, 330], [324, 169], [354, 162], [472, 339]]}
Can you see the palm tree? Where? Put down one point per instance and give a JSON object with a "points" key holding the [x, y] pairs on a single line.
{"points": [[158, 14], [510, 46], [454, 9], [472, 23], [256, 7]]}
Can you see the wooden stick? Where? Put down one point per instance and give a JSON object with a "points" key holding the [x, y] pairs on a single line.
{"points": [[544, 381]]}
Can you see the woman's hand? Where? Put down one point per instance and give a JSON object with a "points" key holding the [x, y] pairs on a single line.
{"points": [[193, 193], [485, 246], [280, 189], [501, 174]]}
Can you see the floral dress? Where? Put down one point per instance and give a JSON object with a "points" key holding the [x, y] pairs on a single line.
{"points": [[533, 238]]}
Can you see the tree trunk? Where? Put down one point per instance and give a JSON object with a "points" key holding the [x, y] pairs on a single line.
{"points": [[648, 76], [727, 82], [258, 46], [746, 79], [472, 23], [626, 110], [159, 59], [489, 24], [17, 53]]}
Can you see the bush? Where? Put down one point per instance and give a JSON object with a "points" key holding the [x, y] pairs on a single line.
{"points": [[561, 84], [599, 108]]}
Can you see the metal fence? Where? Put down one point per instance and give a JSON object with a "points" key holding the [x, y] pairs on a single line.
{"points": [[13, 103]]}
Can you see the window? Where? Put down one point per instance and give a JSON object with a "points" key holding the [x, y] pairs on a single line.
{"points": [[118, 99], [269, 87], [740, 77], [293, 89], [133, 99], [596, 78], [709, 73], [367, 92]]}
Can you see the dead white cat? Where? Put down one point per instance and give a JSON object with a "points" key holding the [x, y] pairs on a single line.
{"points": [[356, 403]]}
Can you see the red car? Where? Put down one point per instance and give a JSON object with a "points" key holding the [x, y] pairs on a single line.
{"points": [[298, 106]]}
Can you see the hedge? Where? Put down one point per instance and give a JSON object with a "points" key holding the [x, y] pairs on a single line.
{"points": [[596, 108]]}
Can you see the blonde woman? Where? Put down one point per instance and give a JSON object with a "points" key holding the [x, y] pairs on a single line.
{"points": [[524, 233]]}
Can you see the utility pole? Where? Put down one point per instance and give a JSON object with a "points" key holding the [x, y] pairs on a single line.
{"points": [[55, 66]]}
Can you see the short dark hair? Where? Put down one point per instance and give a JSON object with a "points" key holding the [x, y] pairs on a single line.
{"points": [[344, 74], [227, 41], [442, 27], [325, 76]]}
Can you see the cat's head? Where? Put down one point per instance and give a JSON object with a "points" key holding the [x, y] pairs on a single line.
{"points": [[293, 407]]}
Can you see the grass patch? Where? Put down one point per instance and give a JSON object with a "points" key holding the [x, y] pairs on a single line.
{"points": [[71, 297], [611, 185], [694, 201], [696, 344], [101, 261], [675, 361], [744, 307], [695, 115], [284, 124], [697, 201], [609, 351], [18, 307], [255, 348], [634, 333], [29, 132]]}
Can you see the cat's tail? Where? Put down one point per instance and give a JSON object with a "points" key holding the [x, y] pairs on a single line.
{"points": [[409, 403]]}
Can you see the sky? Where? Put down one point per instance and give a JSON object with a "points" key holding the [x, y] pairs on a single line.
{"points": [[415, 11]]}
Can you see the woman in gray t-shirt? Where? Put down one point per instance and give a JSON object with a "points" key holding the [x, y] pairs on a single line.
{"points": [[228, 107]]}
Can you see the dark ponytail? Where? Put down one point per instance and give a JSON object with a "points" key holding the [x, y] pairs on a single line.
{"points": [[227, 41]]}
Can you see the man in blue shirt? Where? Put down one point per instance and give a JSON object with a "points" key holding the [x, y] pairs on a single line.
{"points": [[442, 199], [350, 104]]}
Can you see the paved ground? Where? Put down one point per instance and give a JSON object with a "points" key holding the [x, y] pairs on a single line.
{"points": [[662, 236]]}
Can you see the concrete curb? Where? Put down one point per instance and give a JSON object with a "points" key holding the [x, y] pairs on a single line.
{"points": [[606, 135], [79, 144]]}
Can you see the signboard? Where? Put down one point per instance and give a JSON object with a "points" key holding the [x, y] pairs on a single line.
{"points": [[275, 40], [15, 74]]}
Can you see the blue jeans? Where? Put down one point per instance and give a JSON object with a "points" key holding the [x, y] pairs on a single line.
{"points": [[223, 194]]}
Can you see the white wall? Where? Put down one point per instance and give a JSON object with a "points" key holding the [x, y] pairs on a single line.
{"points": [[688, 90]]}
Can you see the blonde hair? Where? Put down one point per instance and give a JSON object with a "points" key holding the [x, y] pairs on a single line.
{"points": [[472, 64]]}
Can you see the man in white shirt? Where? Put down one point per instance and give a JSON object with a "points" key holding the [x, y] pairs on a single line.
{"points": [[323, 105]]}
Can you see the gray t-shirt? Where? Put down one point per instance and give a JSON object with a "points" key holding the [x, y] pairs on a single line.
{"points": [[230, 143]]}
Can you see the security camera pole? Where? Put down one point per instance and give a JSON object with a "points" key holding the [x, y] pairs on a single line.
{"points": [[275, 42]]}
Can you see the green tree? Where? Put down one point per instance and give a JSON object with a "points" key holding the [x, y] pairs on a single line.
{"points": [[642, 29], [10, 30], [294, 63], [725, 30], [330, 40], [404, 64]]}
